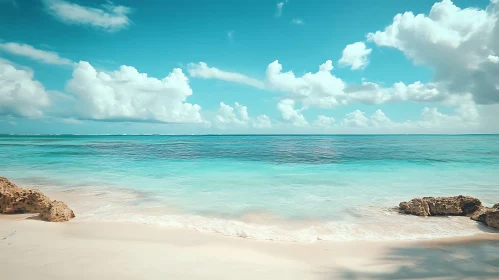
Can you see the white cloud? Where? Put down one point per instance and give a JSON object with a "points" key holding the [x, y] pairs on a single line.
{"points": [[435, 121], [379, 119], [372, 93], [355, 119], [432, 121], [324, 90], [432, 117], [202, 70], [290, 114], [242, 111], [458, 44], [20, 94], [321, 89], [262, 121], [323, 121], [127, 95], [108, 17], [47, 57], [278, 12], [297, 21], [493, 58], [227, 115], [355, 55]]}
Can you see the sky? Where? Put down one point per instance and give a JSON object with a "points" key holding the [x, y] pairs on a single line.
{"points": [[249, 67]]}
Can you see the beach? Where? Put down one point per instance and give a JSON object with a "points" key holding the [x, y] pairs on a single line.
{"points": [[249, 140], [33, 249], [249, 207], [294, 188]]}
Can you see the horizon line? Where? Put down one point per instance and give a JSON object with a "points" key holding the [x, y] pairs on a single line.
{"points": [[249, 134]]}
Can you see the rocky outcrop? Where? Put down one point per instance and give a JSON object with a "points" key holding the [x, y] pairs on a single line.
{"points": [[441, 206], [57, 211], [453, 206], [490, 218], [483, 210], [15, 200]]}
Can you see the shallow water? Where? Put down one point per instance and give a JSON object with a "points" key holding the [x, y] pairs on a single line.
{"points": [[297, 188]]}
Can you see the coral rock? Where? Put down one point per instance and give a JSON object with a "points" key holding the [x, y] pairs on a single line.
{"points": [[441, 206], [490, 218], [58, 211], [15, 200]]}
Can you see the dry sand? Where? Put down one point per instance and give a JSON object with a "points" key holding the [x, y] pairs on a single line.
{"points": [[32, 249]]}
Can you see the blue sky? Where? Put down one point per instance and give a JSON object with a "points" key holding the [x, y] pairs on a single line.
{"points": [[432, 71]]}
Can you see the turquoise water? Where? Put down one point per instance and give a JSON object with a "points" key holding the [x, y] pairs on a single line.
{"points": [[269, 187]]}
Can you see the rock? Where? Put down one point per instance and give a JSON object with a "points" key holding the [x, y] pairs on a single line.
{"points": [[486, 216], [58, 211], [453, 206], [490, 218], [15, 200], [417, 206], [441, 206], [475, 216]]}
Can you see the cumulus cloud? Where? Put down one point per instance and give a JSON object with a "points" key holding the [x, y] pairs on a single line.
{"points": [[325, 90], [108, 16], [128, 95], [289, 114], [31, 52], [202, 70], [242, 111], [323, 121], [262, 121], [432, 117], [372, 93], [237, 116], [355, 55], [321, 89], [458, 44], [227, 115], [465, 118], [355, 119], [20, 94], [379, 119]]}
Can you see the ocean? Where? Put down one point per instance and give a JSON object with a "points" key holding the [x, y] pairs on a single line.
{"points": [[299, 188]]}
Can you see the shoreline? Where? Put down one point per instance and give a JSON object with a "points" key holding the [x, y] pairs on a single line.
{"points": [[104, 250], [106, 205], [99, 204]]}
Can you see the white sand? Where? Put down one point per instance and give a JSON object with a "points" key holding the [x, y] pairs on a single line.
{"points": [[33, 249]]}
